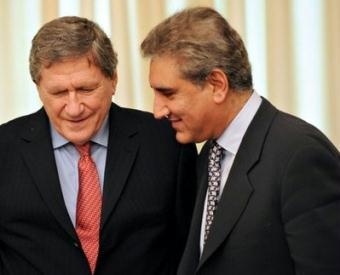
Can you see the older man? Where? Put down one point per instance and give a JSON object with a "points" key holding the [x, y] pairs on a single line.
{"points": [[88, 187]]}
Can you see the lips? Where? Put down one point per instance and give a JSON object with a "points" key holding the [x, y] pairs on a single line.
{"points": [[77, 122], [175, 123]]}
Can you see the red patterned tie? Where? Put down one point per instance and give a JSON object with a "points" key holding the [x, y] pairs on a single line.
{"points": [[88, 205]]}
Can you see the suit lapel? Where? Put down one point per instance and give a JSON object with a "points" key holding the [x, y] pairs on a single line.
{"points": [[122, 149], [37, 151], [38, 155], [238, 189], [191, 253]]}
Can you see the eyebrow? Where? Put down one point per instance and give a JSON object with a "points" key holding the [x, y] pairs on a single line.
{"points": [[85, 84], [163, 90]]}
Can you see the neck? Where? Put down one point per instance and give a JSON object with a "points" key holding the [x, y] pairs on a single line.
{"points": [[233, 104]]}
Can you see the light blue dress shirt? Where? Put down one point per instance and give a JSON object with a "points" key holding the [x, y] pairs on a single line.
{"points": [[230, 141], [67, 156]]}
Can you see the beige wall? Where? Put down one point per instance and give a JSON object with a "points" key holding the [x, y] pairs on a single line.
{"points": [[18, 96]]}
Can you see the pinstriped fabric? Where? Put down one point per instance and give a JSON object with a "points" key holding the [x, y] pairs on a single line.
{"points": [[88, 205]]}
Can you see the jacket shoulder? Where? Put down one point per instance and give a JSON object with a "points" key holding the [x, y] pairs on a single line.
{"points": [[294, 132], [11, 129], [142, 120]]}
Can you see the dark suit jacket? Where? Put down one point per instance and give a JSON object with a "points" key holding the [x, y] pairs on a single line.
{"points": [[147, 200], [280, 209]]}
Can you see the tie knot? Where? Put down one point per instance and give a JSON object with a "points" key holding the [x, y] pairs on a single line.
{"points": [[84, 150]]}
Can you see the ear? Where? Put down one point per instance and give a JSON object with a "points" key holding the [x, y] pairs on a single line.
{"points": [[219, 81], [40, 92], [114, 82]]}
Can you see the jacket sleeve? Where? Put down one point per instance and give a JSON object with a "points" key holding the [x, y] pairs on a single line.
{"points": [[185, 197], [311, 209]]}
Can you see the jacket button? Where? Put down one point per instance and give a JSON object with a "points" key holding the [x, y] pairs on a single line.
{"points": [[76, 244]]}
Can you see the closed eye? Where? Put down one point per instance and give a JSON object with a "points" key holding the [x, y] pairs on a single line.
{"points": [[86, 89], [167, 92], [58, 92]]}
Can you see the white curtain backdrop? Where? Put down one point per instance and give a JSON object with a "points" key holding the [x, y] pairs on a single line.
{"points": [[294, 48]]}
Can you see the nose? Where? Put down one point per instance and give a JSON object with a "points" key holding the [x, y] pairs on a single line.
{"points": [[160, 109], [74, 106]]}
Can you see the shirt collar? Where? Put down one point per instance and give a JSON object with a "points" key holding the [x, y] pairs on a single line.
{"points": [[100, 138], [232, 136]]}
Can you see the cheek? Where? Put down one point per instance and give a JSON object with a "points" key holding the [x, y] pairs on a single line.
{"points": [[198, 115], [52, 106], [99, 105], [105, 95], [180, 106], [192, 109]]}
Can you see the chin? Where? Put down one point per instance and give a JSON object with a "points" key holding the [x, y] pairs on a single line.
{"points": [[184, 139], [76, 139]]}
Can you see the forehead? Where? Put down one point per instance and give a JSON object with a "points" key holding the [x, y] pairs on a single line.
{"points": [[163, 69], [68, 65], [70, 69]]}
